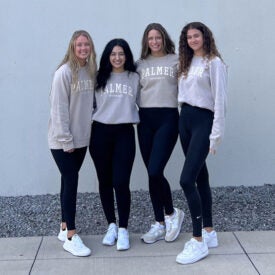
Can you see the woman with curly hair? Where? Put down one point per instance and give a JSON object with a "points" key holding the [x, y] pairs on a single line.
{"points": [[202, 96], [158, 127], [71, 101]]}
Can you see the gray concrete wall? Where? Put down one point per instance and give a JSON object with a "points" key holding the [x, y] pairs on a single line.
{"points": [[35, 35]]}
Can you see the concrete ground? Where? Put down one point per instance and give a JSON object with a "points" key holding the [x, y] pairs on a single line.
{"points": [[238, 253]]}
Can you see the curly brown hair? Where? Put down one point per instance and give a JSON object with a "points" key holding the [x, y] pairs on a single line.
{"points": [[168, 44], [186, 53]]}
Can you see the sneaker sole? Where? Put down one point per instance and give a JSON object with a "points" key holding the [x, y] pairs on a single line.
{"points": [[75, 254], [61, 239], [122, 248], [212, 245], [109, 244], [177, 234], [179, 261], [150, 242]]}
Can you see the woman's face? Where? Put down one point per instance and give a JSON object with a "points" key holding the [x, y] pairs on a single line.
{"points": [[195, 41], [155, 43], [82, 49], [117, 59]]}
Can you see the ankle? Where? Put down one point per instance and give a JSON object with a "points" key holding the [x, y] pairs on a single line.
{"points": [[63, 226], [199, 239], [71, 233], [208, 229]]}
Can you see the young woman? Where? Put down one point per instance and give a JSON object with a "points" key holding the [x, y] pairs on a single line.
{"points": [[71, 101], [158, 127], [112, 144], [202, 96]]}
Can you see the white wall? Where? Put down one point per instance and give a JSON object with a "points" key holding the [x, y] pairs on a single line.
{"points": [[35, 35]]}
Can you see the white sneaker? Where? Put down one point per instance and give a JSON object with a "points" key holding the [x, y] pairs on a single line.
{"points": [[156, 232], [193, 251], [123, 239], [111, 235], [173, 225], [210, 238], [62, 235], [76, 247]]}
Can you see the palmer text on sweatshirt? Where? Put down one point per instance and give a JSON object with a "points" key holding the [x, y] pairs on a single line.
{"points": [[206, 87], [71, 109], [158, 81], [116, 103]]}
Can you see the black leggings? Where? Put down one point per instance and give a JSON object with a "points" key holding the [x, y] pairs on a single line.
{"points": [[195, 126], [157, 135], [112, 149], [69, 165]]}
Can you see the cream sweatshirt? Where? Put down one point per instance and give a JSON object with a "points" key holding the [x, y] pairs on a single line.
{"points": [[158, 81], [117, 103], [71, 109], [206, 87]]}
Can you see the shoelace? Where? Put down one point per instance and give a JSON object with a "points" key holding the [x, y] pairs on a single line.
{"points": [[168, 224], [153, 228], [78, 242], [109, 229], [189, 246], [171, 222]]}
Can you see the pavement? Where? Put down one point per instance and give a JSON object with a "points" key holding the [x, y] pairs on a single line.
{"points": [[238, 253]]}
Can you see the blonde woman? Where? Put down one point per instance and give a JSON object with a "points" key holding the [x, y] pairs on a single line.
{"points": [[71, 100]]}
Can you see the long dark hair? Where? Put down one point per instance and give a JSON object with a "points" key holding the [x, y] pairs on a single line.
{"points": [[186, 53], [105, 67]]}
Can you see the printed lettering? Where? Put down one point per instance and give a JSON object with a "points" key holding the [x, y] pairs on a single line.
{"points": [[157, 71], [196, 71], [82, 86], [118, 89]]}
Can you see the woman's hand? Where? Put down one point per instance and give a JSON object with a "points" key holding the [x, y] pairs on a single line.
{"points": [[212, 151], [70, 151]]}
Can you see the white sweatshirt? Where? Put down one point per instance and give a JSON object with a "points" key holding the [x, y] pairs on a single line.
{"points": [[158, 81], [71, 109], [117, 102], [206, 87]]}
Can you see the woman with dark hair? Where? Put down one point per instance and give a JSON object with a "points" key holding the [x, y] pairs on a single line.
{"points": [[112, 145], [158, 127], [202, 96], [71, 101]]}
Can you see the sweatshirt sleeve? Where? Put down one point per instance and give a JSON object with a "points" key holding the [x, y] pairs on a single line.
{"points": [[60, 109], [218, 80]]}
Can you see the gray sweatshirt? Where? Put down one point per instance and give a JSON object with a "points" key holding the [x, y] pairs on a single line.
{"points": [[205, 87], [158, 81], [71, 109], [117, 102]]}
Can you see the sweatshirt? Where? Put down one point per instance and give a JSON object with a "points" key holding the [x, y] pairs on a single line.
{"points": [[71, 109], [206, 87], [158, 81], [116, 103]]}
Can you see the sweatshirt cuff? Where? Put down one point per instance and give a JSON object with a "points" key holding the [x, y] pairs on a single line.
{"points": [[214, 144], [68, 146]]}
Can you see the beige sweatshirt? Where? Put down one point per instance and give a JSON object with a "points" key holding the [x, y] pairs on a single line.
{"points": [[206, 87], [71, 109], [158, 81]]}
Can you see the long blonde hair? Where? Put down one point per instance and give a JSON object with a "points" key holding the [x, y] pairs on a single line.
{"points": [[72, 60]]}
